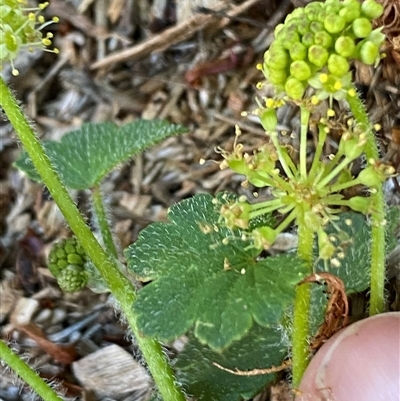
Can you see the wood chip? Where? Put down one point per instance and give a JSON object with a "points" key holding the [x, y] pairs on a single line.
{"points": [[111, 372], [24, 311]]}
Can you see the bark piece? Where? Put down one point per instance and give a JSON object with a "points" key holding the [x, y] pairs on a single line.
{"points": [[112, 372]]}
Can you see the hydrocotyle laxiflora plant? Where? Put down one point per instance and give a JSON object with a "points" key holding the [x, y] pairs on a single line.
{"points": [[309, 65]]}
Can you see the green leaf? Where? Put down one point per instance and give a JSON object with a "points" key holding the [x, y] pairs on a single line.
{"points": [[261, 348], [207, 276], [352, 237], [84, 157], [354, 269]]}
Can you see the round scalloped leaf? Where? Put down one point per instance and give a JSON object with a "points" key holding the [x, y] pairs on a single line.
{"points": [[195, 260], [260, 348], [84, 157]]}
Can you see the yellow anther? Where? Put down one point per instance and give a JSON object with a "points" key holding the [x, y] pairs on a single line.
{"points": [[323, 78], [338, 85]]}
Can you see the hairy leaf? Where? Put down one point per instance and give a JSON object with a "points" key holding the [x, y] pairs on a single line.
{"points": [[261, 348], [351, 236], [207, 276], [84, 157]]}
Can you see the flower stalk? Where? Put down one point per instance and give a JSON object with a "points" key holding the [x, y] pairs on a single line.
{"points": [[119, 285]]}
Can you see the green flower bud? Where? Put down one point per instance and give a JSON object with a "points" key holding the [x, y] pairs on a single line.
{"points": [[360, 204], [325, 247], [362, 27], [371, 177], [236, 215], [276, 77], [298, 51], [61, 254], [72, 279], [268, 119], [323, 38], [369, 52], [334, 23], [75, 259], [263, 237], [371, 9], [351, 11], [276, 57], [278, 28], [318, 55], [290, 38], [300, 70], [308, 39], [294, 88], [304, 26], [311, 11], [345, 46], [338, 65], [64, 253], [316, 26]]}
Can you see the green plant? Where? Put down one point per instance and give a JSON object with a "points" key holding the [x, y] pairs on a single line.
{"points": [[208, 274]]}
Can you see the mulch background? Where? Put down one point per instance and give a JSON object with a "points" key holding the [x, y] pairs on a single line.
{"points": [[190, 62]]}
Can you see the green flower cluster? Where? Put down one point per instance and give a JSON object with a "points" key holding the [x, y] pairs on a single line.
{"points": [[315, 45], [20, 28], [311, 197], [67, 264]]}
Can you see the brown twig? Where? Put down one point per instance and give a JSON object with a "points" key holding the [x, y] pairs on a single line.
{"points": [[337, 310], [172, 35], [256, 372]]}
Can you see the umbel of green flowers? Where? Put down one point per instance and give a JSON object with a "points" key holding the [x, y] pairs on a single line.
{"points": [[309, 61], [21, 28], [317, 43]]}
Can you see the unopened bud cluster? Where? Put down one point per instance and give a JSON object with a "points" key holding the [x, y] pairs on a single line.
{"points": [[21, 28], [316, 44], [67, 264]]}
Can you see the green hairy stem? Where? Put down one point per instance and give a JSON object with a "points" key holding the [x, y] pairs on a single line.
{"points": [[377, 297], [25, 372], [119, 285]]}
